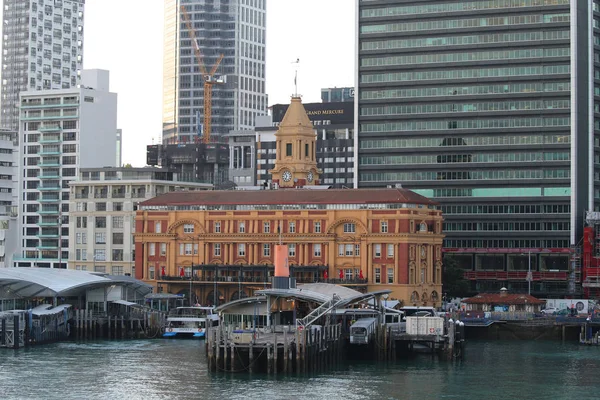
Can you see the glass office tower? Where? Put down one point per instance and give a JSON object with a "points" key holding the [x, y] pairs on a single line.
{"points": [[486, 106], [234, 28]]}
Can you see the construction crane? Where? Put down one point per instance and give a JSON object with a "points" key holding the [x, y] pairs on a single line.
{"points": [[208, 77]]}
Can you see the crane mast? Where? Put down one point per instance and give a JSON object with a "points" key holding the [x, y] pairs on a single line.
{"points": [[208, 77]]}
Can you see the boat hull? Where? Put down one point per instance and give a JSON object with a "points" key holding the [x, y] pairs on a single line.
{"points": [[179, 335]]}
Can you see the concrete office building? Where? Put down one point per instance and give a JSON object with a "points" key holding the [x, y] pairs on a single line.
{"points": [[193, 162], [61, 131], [103, 202], [42, 49], [491, 109], [234, 28], [242, 154]]}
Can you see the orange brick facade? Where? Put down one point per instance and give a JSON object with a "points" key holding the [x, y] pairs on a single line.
{"points": [[232, 251]]}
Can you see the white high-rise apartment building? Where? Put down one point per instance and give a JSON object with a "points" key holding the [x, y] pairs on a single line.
{"points": [[234, 28], [102, 214], [8, 212], [42, 49], [60, 132]]}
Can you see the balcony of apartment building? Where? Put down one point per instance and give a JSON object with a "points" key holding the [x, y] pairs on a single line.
{"points": [[48, 244], [48, 221], [101, 192], [49, 198], [48, 233], [50, 150], [138, 192], [49, 209], [49, 174], [50, 135], [49, 162], [118, 192], [82, 193]]}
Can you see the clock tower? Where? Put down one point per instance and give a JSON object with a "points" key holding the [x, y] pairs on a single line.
{"points": [[296, 161]]}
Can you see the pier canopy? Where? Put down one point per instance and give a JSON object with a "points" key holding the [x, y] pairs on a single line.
{"points": [[52, 282], [323, 292]]}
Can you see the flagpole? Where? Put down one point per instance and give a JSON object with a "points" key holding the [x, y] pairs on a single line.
{"points": [[296, 84], [297, 62]]}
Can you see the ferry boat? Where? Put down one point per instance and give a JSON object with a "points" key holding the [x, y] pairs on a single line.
{"points": [[190, 322]]}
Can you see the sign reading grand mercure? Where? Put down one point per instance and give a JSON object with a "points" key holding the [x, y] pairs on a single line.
{"points": [[318, 113]]}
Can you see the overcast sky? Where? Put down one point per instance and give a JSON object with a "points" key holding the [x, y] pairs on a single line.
{"points": [[125, 37]]}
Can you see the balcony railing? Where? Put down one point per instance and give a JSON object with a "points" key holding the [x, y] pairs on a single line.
{"points": [[255, 279]]}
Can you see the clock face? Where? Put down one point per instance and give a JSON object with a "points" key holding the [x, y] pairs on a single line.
{"points": [[309, 176], [286, 176]]}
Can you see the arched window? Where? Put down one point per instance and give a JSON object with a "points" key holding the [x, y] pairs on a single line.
{"points": [[239, 295], [414, 297], [214, 300]]}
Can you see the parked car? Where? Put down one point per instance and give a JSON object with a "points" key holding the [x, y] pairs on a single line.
{"points": [[550, 311], [563, 313]]}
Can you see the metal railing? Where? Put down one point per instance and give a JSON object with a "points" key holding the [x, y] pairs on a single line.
{"points": [[516, 275]]}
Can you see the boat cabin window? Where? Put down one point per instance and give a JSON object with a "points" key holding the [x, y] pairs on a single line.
{"points": [[359, 331]]}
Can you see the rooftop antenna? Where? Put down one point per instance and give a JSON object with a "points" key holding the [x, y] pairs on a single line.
{"points": [[296, 65]]}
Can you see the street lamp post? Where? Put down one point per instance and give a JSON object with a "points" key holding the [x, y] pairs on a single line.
{"points": [[215, 288], [529, 275], [191, 274]]}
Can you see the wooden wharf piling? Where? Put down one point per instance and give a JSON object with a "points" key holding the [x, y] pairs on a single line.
{"points": [[20, 329], [276, 350]]}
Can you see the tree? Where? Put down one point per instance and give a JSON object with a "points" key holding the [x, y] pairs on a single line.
{"points": [[454, 283], [127, 165]]}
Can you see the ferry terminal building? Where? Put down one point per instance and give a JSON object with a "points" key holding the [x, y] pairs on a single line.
{"points": [[219, 245]]}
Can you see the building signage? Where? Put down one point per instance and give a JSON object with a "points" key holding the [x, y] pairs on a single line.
{"points": [[592, 216], [320, 113], [582, 306]]}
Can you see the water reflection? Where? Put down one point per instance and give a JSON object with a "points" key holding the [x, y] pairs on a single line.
{"points": [[176, 369]]}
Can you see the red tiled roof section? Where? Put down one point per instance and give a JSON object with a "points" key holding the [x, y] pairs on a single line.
{"points": [[289, 196], [509, 299]]}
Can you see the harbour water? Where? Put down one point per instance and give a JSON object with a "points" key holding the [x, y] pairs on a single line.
{"points": [[176, 369]]}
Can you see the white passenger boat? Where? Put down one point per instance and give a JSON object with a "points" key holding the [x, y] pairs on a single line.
{"points": [[190, 322]]}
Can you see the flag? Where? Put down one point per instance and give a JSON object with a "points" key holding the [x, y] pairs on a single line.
{"points": [[360, 275]]}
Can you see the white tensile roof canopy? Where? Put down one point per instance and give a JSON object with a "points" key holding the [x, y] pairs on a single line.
{"points": [[51, 282]]}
